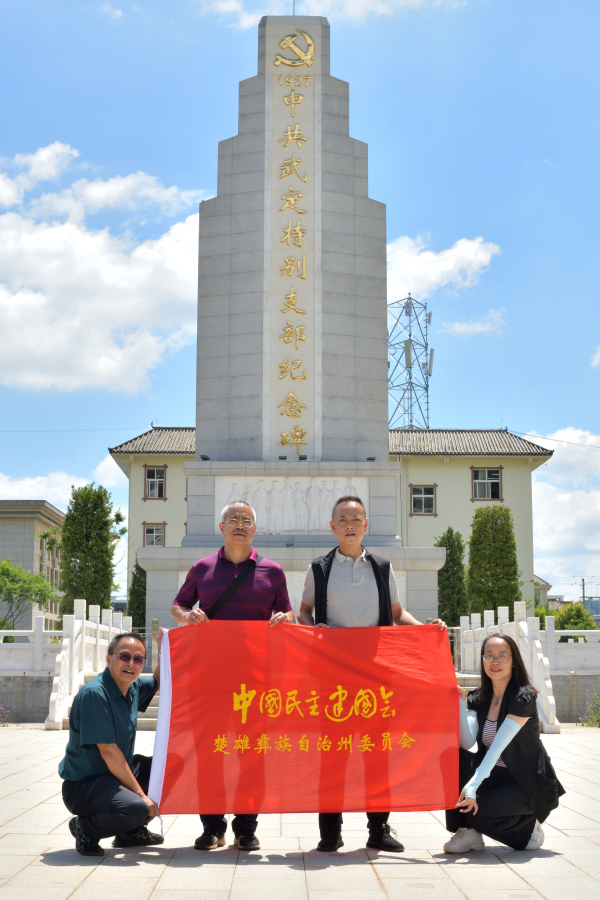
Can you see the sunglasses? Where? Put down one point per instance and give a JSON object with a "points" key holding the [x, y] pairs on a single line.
{"points": [[127, 658]]}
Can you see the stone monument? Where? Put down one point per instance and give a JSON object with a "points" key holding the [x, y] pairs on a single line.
{"points": [[291, 408]]}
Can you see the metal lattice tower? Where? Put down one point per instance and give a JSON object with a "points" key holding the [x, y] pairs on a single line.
{"points": [[410, 363]]}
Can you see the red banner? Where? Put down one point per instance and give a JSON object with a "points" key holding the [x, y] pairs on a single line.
{"points": [[297, 719]]}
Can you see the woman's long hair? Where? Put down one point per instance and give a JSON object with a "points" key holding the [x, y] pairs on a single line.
{"points": [[519, 678]]}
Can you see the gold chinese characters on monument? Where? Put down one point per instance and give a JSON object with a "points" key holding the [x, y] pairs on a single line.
{"points": [[296, 200]]}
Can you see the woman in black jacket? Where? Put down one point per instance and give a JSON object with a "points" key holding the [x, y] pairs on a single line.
{"points": [[508, 786]]}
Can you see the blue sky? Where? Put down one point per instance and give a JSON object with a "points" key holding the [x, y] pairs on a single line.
{"points": [[482, 123]]}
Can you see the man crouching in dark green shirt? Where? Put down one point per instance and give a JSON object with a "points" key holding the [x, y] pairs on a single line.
{"points": [[104, 783]]}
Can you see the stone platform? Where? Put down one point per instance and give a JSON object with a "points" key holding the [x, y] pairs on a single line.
{"points": [[37, 857]]}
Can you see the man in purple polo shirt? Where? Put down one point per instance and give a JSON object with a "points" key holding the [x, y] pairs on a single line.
{"points": [[262, 595]]}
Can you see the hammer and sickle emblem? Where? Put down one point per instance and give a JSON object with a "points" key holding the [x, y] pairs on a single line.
{"points": [[289, 43]]}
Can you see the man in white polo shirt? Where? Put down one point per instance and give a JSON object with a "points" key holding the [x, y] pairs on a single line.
{"points": [[350, 588]]}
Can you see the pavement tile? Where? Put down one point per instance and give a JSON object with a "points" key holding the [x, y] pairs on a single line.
{"points": [[582, 887], [268, 889], [340, 878], [160, 894], [481, 877], [421, 889], [180, 877], [51, 892], [503, 895], [347, 895], [96, 889]]}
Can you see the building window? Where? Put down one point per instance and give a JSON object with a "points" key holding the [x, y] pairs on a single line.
{"points": [[423, 500], [155, 483], [154, 535], [487, 484]]}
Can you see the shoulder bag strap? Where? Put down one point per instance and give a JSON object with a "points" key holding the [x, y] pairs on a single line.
{"points": [[232, 587]]}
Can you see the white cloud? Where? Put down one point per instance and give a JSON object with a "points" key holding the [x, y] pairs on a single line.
{"points": [[131, 192], [596, 357], [109, 474], [493, 323], [247, 14], [576, 458], [46, 164], [566, 510], [411, 267], [54, 487], [83, 308], [566, 535], [108, 10]]}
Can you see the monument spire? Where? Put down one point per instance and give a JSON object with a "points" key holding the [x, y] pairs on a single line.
{"points": [[292, 322]]}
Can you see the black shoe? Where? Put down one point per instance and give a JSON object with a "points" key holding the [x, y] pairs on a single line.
{"points": [[139, 837], [208, 841], [330, 842], [247, 842], [83, 844], [381, 839]]}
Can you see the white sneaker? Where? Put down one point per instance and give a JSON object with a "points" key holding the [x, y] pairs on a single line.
{"points": [[464, 840], [537, 838]]}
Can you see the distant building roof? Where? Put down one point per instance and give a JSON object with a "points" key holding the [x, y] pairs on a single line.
{"points": [[539, 582], [31, 508], [462, 442], [177, 441]]}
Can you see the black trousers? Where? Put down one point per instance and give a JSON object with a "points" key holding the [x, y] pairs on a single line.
{"points": [[504, 813], [332, 822], [244, 824], [105, 806]]}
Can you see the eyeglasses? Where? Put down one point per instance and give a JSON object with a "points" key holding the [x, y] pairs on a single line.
{"points": [[245, 521], [501, 658], [125, 657]]}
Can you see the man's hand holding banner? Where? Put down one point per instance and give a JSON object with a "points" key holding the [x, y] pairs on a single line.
{"points": [[255, 719]]}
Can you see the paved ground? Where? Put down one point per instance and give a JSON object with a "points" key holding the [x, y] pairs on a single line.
{"points": [[37, 857]]}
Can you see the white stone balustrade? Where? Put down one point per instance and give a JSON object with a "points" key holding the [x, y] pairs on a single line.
{"points": [[71, 654]]}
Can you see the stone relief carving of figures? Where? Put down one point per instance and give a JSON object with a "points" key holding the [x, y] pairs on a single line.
{"points": [[261, 504], [288, 519], [336, 493], [291, 507], [325, 505], [350, 490], [300, 510], [275, 505], [312, 502], [234, 494]]}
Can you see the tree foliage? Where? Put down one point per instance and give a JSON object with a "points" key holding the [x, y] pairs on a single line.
{"points": [[88, 536], [136, 602], [18, 590], [574, 616], [493, 575], [451, 578]]}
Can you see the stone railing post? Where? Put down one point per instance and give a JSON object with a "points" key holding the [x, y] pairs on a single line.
{"points": [[503, 615], [551, 641], [488, 618], [79, 609], [520, 611], [94, 616], [118, 621], [69, 632], [475, 620], [107, 619], [155, 630], [38, 644], [127, 623]]}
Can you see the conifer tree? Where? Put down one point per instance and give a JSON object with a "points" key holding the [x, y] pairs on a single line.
{"points": [[451, 578], [493, 574], [89, 533], [136, 603]]}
